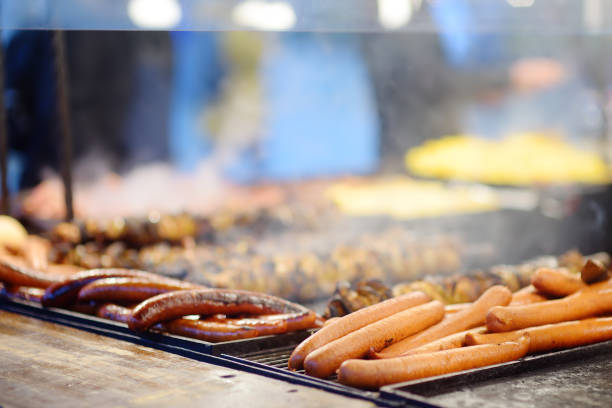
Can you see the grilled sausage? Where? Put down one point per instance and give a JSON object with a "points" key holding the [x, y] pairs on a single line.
{"points": [[129, 290], [176, 304], [206, 330], [114, 312], [15, 274], [65, 292], [593, 271], [29, 293]]}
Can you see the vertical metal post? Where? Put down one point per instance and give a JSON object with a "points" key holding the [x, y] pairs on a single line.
{"points": [[6, 202], [63, 110]]}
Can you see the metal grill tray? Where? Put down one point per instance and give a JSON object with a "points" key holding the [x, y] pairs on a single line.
{"points": [[580, 376], [117, 329]]}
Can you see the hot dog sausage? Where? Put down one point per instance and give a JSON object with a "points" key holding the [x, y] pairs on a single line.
{"points": [[446, 343], [590, 301], [325, 360], [552, 336], [352, 322], [373, 374], [527, 295], [556, 282], [471, 317]]}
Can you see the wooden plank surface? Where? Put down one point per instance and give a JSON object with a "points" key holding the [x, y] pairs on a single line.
{"points": [[45, 364]]}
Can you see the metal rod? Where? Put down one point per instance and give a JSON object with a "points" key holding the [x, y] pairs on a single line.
{"points": [[63, 110], [6, 201]]}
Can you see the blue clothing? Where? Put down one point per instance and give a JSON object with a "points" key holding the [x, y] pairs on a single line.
{"points": [[322, 119], [198, 71]]}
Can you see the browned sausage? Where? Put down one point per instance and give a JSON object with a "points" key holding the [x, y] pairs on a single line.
{"points": [[352, 322], [15, 274], [472, 317], [169, 306], [556, 282], [31, 294], [552, 336], [114, 312], [265, 325], [373, 374], [593, 271], [325, 360], [207, 331], [65, 292], [129, 290], [590, 301]]}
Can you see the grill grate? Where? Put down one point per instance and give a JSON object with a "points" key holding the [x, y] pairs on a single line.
{"points": [[278, 358]]}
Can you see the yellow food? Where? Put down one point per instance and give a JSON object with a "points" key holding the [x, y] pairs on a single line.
{"points": [[12, 233], [519, 159], [402, 197]]}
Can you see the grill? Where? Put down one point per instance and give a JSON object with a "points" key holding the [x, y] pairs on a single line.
{"points": [[582, 373]]}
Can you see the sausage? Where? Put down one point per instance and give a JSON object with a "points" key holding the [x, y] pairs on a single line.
{"points": [[65, 292], [28, 293], [526, 296], [446, 343], [331, 320], [352, 322], [169, 306], [15, 274], [129, 290], [469, 318], [36, 252], [552, 336], [456, 307], [325, 360], [593, 271], [265, 325], [207, 331], [373, 374], [556, 282], [215, 328], [590, 301], [114, 312]]}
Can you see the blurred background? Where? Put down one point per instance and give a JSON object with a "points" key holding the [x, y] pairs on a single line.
{"points": [[312, 135]]}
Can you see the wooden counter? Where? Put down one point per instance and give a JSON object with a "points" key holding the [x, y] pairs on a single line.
{"points": [[45, 364]]}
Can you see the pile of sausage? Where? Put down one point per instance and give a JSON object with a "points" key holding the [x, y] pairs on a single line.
{"points": [[411, 337], [146, 301]]}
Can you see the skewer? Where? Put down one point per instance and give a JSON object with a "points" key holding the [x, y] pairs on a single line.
{"points": [[6, 203], [61, 73]]}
